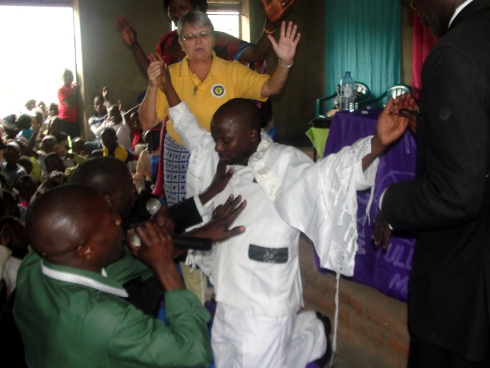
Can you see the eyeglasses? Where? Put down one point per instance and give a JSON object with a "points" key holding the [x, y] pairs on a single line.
{"points": [[193, 36]]}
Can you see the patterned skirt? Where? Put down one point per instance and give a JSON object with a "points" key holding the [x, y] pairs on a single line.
{"points": [[176, 160]]}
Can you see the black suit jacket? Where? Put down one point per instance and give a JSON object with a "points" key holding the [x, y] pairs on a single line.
{"points": [[448, 203]]}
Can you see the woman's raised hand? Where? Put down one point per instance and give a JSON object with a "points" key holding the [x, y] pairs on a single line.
{"points": [[159, 71], [286, 47], [128, 33]]}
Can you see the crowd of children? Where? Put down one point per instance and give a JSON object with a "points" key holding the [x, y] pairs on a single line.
{"points": [[40, 148]]}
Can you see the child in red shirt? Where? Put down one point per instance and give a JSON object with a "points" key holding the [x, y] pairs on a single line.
{"points": [[68, 111]]}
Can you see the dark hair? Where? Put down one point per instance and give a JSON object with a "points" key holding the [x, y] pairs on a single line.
{"points": [[202, 4], [8, 220], [110, 131]]}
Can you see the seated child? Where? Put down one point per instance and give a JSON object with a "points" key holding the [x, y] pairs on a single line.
{"points": [[26, 186], [146, 168], [112, 148], [55, 130], [10, 167], [132, 119], [77, 146]]}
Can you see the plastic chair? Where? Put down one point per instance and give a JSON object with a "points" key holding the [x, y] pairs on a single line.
{"points": [[392, 92], [362, 90], [319, 127]]}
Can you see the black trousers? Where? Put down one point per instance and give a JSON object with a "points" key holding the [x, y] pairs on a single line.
{"points": [[424, 354]]}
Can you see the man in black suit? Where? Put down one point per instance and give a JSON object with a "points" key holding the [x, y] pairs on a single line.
{"points": [[448, 203]]}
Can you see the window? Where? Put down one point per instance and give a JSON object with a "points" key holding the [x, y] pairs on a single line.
{"points": [[37, 43], [225, 16]]}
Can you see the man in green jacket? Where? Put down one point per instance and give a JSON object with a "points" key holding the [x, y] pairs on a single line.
{"points": [[71, 314]]}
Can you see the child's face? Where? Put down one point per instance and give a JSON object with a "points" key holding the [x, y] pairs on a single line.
{"points": [[27, 188], [17, 234], [11, 208], [48, 145], [56, 126], [53, 110], [67, 78], [54, 164], [135, 119], [78, 146], [99, 106], [11, 155]]}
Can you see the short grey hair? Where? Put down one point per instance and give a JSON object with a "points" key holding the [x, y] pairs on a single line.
{"points": [[194, 18]]}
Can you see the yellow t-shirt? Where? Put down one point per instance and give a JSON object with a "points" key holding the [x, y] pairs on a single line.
{"points": [[226, 80]]}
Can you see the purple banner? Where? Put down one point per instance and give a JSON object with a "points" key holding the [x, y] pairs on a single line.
{"points": [[387, 271]]}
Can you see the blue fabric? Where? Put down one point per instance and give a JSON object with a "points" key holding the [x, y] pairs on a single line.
{"points": [[176, 160], [363, 37]]}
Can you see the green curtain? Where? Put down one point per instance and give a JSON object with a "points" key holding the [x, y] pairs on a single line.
{"points": [[363, 37]]}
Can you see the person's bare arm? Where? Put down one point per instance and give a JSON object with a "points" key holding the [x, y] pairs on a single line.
{"points": [[157, 251], [71, 101], [148, 113], [128, 34], [127, 116], [32, 141], [220, 181], [285, 50], [273, 11], [164, 82]]}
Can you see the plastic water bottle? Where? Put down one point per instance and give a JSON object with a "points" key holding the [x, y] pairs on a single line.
{"points": [[347, 96]]}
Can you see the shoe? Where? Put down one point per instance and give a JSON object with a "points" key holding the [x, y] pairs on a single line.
{"points": [[323, 361]]}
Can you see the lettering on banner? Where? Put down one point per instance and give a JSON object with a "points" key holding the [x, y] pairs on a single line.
{"points": [[399, 283], [400, 255]]}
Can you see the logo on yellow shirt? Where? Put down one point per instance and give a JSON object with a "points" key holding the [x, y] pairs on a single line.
{"points": [[218, 90]]}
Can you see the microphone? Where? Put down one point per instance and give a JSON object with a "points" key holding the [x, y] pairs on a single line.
{"points": [[153, 205]]}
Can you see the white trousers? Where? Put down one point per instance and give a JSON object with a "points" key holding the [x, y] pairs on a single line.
{"points": [[246, 340]]}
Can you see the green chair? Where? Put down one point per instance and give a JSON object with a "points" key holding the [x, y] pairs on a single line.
{"points": [[392, 92], [361, 89], [319, 127]]}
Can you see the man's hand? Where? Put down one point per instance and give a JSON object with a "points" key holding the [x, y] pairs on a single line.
{"points": [[220, 181], [157, 251], [285, 49], [390, 126], [126, 29], [223, 216], [407, 106], [275, 9], [157, 246], [163, 220], [382, 231]]}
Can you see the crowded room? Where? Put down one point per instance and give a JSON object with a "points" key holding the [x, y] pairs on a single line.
{"points": [[245, 183]]}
